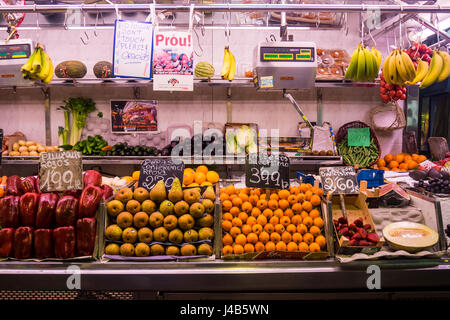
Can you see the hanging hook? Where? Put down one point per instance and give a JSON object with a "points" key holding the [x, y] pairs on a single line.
{"points": [[65, 20], [85, 32], [95, 27], [191, 16]]}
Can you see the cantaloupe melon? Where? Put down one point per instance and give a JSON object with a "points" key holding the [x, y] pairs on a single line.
{"points": [[409, 236]]}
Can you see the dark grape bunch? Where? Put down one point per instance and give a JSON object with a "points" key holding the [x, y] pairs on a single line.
{"points": [[435, 185]]}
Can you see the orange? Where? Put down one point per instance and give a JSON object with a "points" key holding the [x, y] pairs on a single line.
{"points": [[270, 246], [315, 200], [227, 239], [303, 188], [256, 212], [308, 195], [232, 196], [302, 229], [247, 207], [226, 205], [291, 229], [279, 228], [272, 204], [315, 190], [388, 158], [283, 204], [307, 206], [295, 190], [415, 157], [408, 158], [285, 221], [315, 231], [251, 221], [268, 213], [243, 216], [227, 216], [235, 231], [238, 249], [202, 168], [308, 238], [261, 204], [297, 238], [296, 220], [309, 186], [246, 191], [241, 239], [286, 237], [321, 241], [236, 222], [227, 225], [314, 213], [253, 200], [188, 178], [303, 246], [381, 163], [318, 222], [237, 202], [262, 220], [412, 165], [292, 247], [308, 221], [235, 211], [246, 229], [230, 189], [263, 197], [304, 214], [259, 247], [199, 177], [249, 248], [403, 167], [212, 176], [255, 192], [227, 250], [314, 247], [269, 228], [243, 197], [284, 194], [252, 238], [399, 158], [223, 197], [300, 198], [274, 220], [275, 237], [320, 192], [257, 228], [274, 196], [292, 199], [264, 237], [393, 164], [297, 208], [280, 246], [289, 213], [278, 213]]}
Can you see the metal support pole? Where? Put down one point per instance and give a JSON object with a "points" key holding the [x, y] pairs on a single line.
{"points": [[229, 109], [319, 106], [48, 132], [428, 25]]}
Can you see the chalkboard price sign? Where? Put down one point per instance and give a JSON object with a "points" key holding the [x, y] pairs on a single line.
{"points": [[60, 171], [264, 171], [153, 170], [339, 180]]}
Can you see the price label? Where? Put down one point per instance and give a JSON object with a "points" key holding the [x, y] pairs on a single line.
{"points": [[358, 137], [339, 180], [153, 170], [264, 171], [60, 171]]}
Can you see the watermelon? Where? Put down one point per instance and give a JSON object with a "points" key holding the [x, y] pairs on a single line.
{"points": [[204, 70]]}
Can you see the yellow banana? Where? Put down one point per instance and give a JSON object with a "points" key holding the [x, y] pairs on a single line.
{"points": [[361, 70], [352, 67], [378, 55], [225, 64], [386, 70], [36, 65], [422, 69], [401, 69], [434, 71], [26, 68], [393, 74], [232, 72], [446, 68], [45, 69], [409, 66], [50, 74], [369, 59]]}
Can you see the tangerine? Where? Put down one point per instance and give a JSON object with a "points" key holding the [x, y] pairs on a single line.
{"points": [[243, 197], [314, 247], [292, 199], [286, 237], [321, 241], [227, 239], [259, 247], [314, 213], [315, 200], [264, 237], [315, 231], [235, 211], [297, 208], [247, 207], [227, 250], [246, 229], [268, 213], [270, 246], [243, 216], [236, 222], [280, 246], [274, 221], [252, 238], [241, 239], [289, 213], [235, 231], [257, 228], [302, 229], [278, 213], [307, 206], [297, 238], [283, 204], [227, 225], [256, 212], [251, 221], [269, 228], [296, 220], [272, 204], [248, 248], [262, 220], [318, 222], [275, 237], [308, 238], [227, 216], [279, 228], [292, 247], [226, 205], [303, 246], [199, 177], [274, 196], [284, 194], [238, 249], [261, 204], [237, 202], [291, 229], [308, 221], [285, 221]]}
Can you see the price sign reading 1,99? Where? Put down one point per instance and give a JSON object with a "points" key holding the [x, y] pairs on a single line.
{"points": [[339, 180], [60, 171], [264, 171]]}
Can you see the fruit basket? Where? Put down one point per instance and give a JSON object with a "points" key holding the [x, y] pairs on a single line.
{"points": [[160, 225]]}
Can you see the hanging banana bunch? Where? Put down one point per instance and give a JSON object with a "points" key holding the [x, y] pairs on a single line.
{"points": [[364, 64], [39, 66], [228, 65]]}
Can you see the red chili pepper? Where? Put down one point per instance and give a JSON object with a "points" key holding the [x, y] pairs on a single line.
{"points": [[23, 241], [86, 232], [27, 184], [45, 215], [28, 206], [66, 211], [92, 177], [43, 243], [36, 182], [90, 198], [6, 242], [64, 242], [12, 186], [9, 212]]}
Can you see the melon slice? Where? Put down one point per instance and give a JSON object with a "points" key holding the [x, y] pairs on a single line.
{"points": [[409, 236]]}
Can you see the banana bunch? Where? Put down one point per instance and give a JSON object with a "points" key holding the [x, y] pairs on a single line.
{"points": [[439, 69], [421, 72], [364, 64], [38, 66], [398, 68], [228, 65]]}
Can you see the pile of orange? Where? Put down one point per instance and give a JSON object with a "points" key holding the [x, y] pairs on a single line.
{"points": [[255, 220], [201, 176], [400, 162]]}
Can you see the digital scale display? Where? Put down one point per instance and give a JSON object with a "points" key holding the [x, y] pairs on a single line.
{"points": [[14, 51], [287, 54]]}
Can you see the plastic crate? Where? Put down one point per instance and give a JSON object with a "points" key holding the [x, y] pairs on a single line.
{"points": [[373, 177], [306, 178]]}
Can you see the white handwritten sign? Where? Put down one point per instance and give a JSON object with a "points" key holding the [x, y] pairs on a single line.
{"points": [[60, 171], [133, 49], [339, 180], [154, 170]]}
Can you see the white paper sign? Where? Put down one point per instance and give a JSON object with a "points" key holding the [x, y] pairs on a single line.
{"points": [[133, 47], [173, 61]]}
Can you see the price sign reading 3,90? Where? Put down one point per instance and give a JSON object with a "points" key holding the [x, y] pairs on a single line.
{"points": [[339, 180], [264, 171]]}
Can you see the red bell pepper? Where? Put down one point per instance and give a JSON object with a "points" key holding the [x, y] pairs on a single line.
{"points": [[107, 191], [12, 186], [28, 206], [6, 242], [66, 211], [92, 177], [27, 184], [86, 231], [43, 243], [90, 198], [73, 193], [9, 212], [23, 242], [45, 215], [64, 242], [36, 185]]}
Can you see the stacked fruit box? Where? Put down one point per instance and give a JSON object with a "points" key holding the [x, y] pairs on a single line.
{"points": [[153, 225], [273, 224]]}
